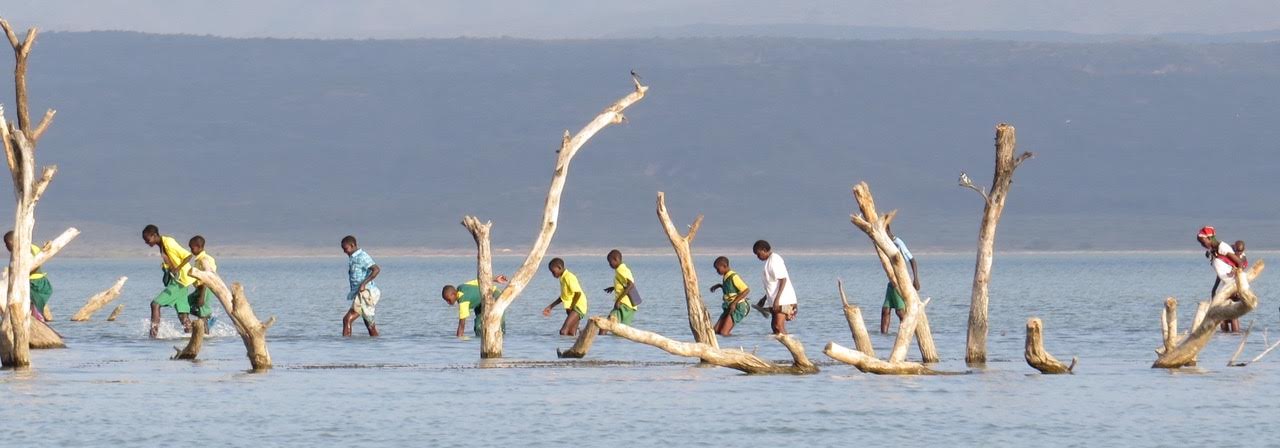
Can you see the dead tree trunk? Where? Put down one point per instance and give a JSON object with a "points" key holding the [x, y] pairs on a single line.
{"points": [[1006, 163], [115, 313], [1037, 357], [873, 224], [494, 307], [252, 331], [1234, 299], [194, 343], [733, 359], [853, 315], [699, 317], [99, 300], [583, 344]]}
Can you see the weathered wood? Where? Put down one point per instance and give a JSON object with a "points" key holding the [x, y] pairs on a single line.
{"points": [[194, 343], [924, 334], [115, 313], [730, 358], [870, 364], [1233, 300], [699, 317], [494, 307], [1006, 163], [1036, 355], [100, 300], [853, 315], [583, 344], [252, 331], [1240, 349], [42, 336]]}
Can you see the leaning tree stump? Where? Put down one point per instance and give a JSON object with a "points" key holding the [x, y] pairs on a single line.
{"points": [[194, 343], [1036, 355], [99, 300]]}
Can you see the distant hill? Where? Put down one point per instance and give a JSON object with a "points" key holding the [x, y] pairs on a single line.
{"points": [[293, 143], [814, 31]]}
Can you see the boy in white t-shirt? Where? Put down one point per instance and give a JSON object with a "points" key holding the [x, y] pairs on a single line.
{"points": [[780, 298]]}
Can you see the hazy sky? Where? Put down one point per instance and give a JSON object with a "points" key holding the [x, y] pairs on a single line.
{"points": [[593, 18]]}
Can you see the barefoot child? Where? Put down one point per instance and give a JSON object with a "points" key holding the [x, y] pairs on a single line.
{"points": [[471, 303], [735, 306], [893, 297], [623, 283], [1233, 325], [177, 278], [199, 301], [364, 295], [780, 298], [41, 289], [571, 295]]}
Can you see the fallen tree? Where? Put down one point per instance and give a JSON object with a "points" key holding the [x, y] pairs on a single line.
{"points": [[99, 300], [115, 313], [252, 331], [494, 307], [734, 359], [1036, 355], [1233, 300]]}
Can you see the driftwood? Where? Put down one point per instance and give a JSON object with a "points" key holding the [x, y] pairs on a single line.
{"points": [[1006, 163], [583, 344], [730, 358], [699, 317], [1233, 300], [1037, 357], [99, 300], [194, 343], [924, 335], [853, 315], [1240, 348], [19, 147], [871, 364], [494, 307], [252, 331], [115, 313], [44, 337]]}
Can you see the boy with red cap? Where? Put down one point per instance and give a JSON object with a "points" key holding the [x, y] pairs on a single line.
{"points": [[1224, 260]]}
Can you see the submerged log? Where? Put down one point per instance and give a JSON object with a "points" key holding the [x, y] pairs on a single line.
{"points": [[252, 331], [993, 208], [99, 300], [194, 343], [853, 315], [1036, 355], [870, 364], [115, 313], [730, 358], [583, 344], [494, 307], [1234, 299]]}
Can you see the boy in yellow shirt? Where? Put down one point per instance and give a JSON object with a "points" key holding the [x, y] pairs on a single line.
{"points": [[735, 306], [199, 300], [177, 278], [470, 303], [624, 310], [571, 295], [41, 289]]}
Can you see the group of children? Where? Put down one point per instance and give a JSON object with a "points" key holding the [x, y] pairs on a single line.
{"points": [[184, 293], [1225, 259]]}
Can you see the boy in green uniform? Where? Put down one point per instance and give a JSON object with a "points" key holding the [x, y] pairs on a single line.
{"points": [[471, 303], [41, 289], [177, 278], [735, 306], [199, 300], [571, 295], [624, 310]]}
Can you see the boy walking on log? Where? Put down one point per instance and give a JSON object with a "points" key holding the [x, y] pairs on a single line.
{"points": [[571, 295], [41, 289], [735, 291], [199, 300], [892, 297], [624, 283], [471, 303], [780, 298], [177, 278], [364, 295]]}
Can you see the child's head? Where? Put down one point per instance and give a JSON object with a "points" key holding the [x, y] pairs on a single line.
{"points": [[722, 265], [196, 244], [349, 245], [8, 240], [449, 294], [151, 235], [614, 258], [762, 250], [556, 266], [1238, 246]]}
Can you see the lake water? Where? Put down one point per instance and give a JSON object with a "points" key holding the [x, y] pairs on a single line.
{"points": [[418, 385]]}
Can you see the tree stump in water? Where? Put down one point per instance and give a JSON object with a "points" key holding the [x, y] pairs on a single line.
{"points": [[1233, 300], [252, 332], [194, 343], [99, 300], [1036, 355]]}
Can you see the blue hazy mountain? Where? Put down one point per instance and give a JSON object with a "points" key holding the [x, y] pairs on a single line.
{"points": [[295, 143]]}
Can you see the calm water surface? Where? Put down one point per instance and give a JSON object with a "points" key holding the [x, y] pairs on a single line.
{"points": [[418, 385]]}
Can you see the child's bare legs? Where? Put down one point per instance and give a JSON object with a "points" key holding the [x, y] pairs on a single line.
{"points": [[155, 319], [186, 322], [571, 320], [724, 326], [372, 327], [884, 320], [347, 320], [779, 324]]}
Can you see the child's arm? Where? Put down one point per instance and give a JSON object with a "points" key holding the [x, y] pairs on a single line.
{"points": [[573, 304], [373, 273], [547, 311], [462, 324], [915, 274]]}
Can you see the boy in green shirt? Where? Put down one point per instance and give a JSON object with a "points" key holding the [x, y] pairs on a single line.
{"points": [[571, 295], [735, 306], [471, 302], [624, 310], [41, 289]]}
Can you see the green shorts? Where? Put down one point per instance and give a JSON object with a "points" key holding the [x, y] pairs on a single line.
{"points": [[739, 312], [41, 289], [193, 303], [623, 314], [174, 295], [892, 299]]}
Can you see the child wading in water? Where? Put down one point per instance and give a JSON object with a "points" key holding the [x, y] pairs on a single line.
{"points": [[892, 297], [41, 289], [735, 306], [364, 295], [471, 303], [199, 300], [780, 298], [624, 310], [177, 278], [571, 295]]}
